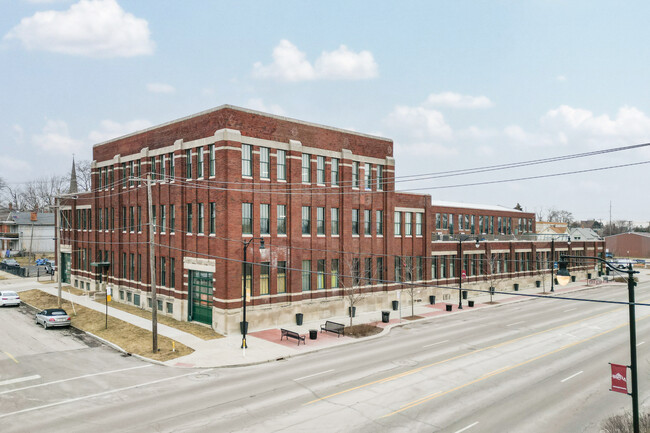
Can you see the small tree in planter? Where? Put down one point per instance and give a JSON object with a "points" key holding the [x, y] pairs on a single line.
{"points": [[410, 272], [493, 274], [351, 284], [540, 269]]}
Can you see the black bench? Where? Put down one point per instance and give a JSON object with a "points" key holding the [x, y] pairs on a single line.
{"points": [[334, 327], [292, 334]]}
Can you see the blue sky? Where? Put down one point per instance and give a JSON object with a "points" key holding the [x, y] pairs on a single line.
{"points": [[455, 84]]}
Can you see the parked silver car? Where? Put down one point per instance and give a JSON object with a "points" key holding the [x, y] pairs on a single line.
{"points": [[53, 317], [8, 297]]}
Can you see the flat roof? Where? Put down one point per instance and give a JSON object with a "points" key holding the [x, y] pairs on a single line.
{"points": [[442, 203]]}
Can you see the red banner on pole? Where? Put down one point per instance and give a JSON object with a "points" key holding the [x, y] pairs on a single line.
{"points": [[619, 379], [463, 274]]}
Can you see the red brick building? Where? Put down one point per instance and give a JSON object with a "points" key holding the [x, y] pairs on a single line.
{"points": [[322, 199]]}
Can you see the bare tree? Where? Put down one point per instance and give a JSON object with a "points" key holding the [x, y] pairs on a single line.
{"points": [[40, 193], [559, 215], [541, 266], [493, 274], [351, 283], [84, 174], [411, 270]]}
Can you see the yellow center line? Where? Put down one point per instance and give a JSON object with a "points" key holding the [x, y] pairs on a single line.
{"points": [[453, 358], [10, 356], [502, 370]]}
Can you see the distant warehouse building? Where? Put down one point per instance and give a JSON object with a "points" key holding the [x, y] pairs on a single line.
{"points": [[632, 244], [323, 200]]}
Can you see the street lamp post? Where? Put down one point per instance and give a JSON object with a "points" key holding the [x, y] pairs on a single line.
{"points": [[460, 268], [552, 264], [563, 278], [244, 326]]}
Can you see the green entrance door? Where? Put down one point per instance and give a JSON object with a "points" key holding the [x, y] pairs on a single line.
{"points": [[65, 267], [200, 297]]}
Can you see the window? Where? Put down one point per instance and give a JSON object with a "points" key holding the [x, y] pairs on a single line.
{"points": [[334, 271], [130, 173], [246, 279], [213, 218], [162, 167], [172, 168], [355, 222], [152, 165], [170, 307], [123, 265], [355, 174], [368, 270], [380, 270], [335, 171], [398, 269], [110, 176], [136, 299], [123, 218], [320, 274], [282, 219], [367, 222], [163, 271], [306, 275], [443, 267], [265, 226], [200, 218], [438, 225], [139, 268], [188, 164], [356, 275], [367, 175], [398, 224], [444, 221], [320, 220], [282, 165], [139, 219], [418, 224], [131, 266], [247, 218], [199, 162], [211, 160], [379, 216], [153, 219], [282, 277], [172, 218], [265, 164], [306, 168], [264, 278], [163, 218], [306, 220], [320, 170], [419, 275], [131, 218], [172, 272], [246, 160], [380, 178], [112, 218], [408, 231], [408, 268], [335, 221], [188, 226]]}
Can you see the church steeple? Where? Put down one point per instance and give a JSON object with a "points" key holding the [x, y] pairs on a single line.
{"points": [[73, 179]]}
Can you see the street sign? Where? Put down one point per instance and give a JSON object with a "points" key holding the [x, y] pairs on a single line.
{"points": [[463, 274], [554, 265], [619, 379]]}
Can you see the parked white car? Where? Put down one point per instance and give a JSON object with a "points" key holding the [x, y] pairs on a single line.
{"points": [[8, 297]]}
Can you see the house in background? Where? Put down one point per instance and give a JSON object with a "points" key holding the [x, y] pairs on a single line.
{"points": [[27, 232], [549, 230]]}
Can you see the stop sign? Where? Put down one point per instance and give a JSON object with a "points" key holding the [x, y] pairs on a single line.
{"points": [[463, 274]]}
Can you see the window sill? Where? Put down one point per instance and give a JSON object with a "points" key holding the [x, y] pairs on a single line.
{"points": [[281, 235]]}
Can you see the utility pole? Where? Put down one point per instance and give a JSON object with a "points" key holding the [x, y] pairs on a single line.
{"points": [[57, 259], [152, 269]]}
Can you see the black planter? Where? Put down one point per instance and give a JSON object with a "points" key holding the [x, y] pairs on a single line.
{"points": [[448, 307], [470, 303], [538, 283], [432, 299], [352, 311], [385, 316], [588, 276], [573, 278], [516, 285], [299, 319], [464, 294], [313, 334], [243, 327], [395, 305]]}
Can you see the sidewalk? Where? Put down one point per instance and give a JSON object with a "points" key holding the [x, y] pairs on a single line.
{"points": [[265, 345]]}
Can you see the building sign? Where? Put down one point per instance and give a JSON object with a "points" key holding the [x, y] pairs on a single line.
{"points": [[619, 379]]}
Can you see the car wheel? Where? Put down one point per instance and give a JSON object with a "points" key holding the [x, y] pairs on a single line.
{"points": [[45, 325]]}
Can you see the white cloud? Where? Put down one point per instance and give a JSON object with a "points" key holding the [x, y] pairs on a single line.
{"points": [[55, 138], [110, 129], [95, 28], [630, 123], [560, 78], [160, 88], [456, 100], [291, 64], [259, 105], [12, 168], [419, 123]]}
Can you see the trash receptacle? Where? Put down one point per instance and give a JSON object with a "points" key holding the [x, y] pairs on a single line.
{"points": [[573, 278], [470, 303], [448, 307], [299, 319], [432, 299], [395, 305], [588, 276], [516, 287], [385, 316], [313, 334], [464, 294]]}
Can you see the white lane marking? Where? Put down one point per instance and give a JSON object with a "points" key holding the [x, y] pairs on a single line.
{"points": [[315, 374], [99, 394], [75, 378], [571, 377], [467, 428], [570, 309], [20, 379], [433, 344], [516, 323], [640, 343]]}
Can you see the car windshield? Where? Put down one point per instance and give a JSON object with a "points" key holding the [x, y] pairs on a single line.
{"points": [[9, 294], [58, 313]]}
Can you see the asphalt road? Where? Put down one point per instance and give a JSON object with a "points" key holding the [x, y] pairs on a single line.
{"points": [[534, 366]]}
